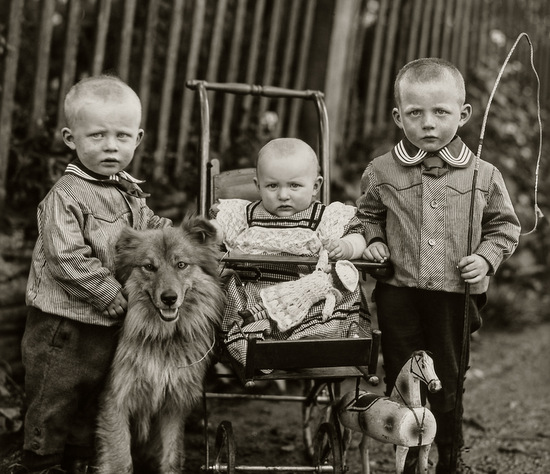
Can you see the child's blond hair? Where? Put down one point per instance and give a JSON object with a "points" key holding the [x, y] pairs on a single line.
{"points": [[426, 70], [103, 87]]}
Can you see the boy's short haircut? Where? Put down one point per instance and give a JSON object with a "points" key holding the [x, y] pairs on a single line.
{"points": [[284, 147], [428, 69], [103, 86]]}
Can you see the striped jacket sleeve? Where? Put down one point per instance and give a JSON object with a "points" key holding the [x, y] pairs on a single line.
{"points": [[370, 209], [69, 257]]}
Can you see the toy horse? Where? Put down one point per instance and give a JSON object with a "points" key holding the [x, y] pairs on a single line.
{"points": [[400, 419]]}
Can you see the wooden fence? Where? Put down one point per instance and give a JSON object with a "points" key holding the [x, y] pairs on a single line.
{"points": [[350, 49]]}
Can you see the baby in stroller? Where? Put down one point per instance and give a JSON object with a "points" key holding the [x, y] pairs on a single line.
{"points": [[289, 220]]}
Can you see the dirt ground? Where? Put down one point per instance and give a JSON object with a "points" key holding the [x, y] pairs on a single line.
{"points": [[507, 416]]}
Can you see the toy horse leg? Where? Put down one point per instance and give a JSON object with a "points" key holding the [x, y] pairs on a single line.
{"points": [[423, 458], [364, 447], [400, 457]]}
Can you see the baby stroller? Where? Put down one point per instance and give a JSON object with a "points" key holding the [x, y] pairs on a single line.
{"points": [[321, 364]]}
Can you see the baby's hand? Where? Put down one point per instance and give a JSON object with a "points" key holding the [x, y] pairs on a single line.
{"points": [[117, 308], [377, 252], [339, 250], [473, 268]]}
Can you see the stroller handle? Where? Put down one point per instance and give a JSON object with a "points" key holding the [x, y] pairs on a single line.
{"points": [[255, 90], [202, 87]]}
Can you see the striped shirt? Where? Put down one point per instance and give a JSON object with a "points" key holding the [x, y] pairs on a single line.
{"points": [[79, 221], [424, 220]]}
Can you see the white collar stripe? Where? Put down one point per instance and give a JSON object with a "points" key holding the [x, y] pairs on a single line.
{"points": [[72, 168], [405, 157], [462, 159]]}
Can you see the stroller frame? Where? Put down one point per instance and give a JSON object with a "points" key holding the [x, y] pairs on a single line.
{"points": [[321, 363]]}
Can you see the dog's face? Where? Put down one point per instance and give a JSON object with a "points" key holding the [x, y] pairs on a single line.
{"points": [[162, 265]]}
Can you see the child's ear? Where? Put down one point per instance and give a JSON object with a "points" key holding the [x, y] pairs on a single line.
{"points": [[139, 137], [68, 137], [317, 184], [256, 183], [396, 114], [465, 114]]}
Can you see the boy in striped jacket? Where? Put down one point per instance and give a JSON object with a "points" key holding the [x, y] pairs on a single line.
{"points": [[415, 206], [75, 303]]}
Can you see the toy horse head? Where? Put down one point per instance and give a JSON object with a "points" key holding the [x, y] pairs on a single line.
{"points": [[418, 369], [422, 368]]}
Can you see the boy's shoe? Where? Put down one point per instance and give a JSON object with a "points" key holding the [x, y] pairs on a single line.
{"points": [[444, 462]]}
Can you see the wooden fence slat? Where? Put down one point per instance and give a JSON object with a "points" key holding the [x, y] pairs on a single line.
{"points": [[216, 46], [126, 38], [190, 73], [372, 84], [464, 45], [415, 27], [74, 14], [176, 23], [423, 47], [448, 29], [475, 20], [103, 17], [386, 77], [483, 31], [40, 93], [456, 35], [232, 73], [435, 41], [353, 128], [300, 78], [146, 76], [340, 70], [253, 62], [9, 81], [289, 57], [402, 43], [271, 53]]}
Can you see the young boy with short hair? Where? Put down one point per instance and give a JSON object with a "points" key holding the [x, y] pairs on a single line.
{"points": [[75, 303], [415, 207]]}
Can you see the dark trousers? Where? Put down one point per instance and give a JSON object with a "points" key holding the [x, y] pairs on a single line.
{"points": [[412, 319], [66, 364]]}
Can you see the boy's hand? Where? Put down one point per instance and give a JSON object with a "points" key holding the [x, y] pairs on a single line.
{"points": [[339, 250], [377, 252], [117, 308], [473, 268]]}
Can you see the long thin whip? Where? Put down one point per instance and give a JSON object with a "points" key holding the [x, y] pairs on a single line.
{"points": [[465, 348]]}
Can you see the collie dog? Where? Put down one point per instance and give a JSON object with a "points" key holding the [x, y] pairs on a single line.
{"points": [[175, 303]]}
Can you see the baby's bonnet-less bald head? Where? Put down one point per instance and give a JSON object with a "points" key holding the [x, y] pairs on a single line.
{"points": [[283, 147], [104, 88]]}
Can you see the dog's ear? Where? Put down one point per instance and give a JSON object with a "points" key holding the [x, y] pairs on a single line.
{"points": [[126, 244], [199, 228]]}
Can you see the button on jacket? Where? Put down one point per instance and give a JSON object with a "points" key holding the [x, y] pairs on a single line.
{"points": [[424, 219], [72, 268]]}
